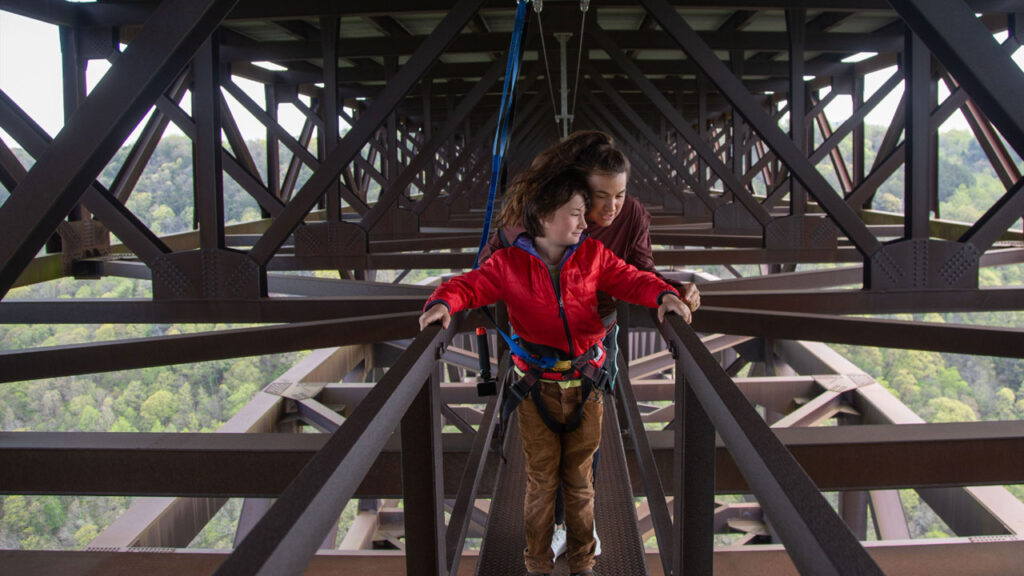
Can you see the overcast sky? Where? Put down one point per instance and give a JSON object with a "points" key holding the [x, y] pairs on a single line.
{"points": [[30, 75]]}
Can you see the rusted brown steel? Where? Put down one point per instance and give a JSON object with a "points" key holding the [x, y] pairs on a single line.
{"points": [[118, 103], [161, 351], [286, 538], [836, 458], [816, 538], [960, 339]]}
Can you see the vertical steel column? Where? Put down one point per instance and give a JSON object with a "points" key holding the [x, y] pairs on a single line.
{"points": [[694, 488], [858, 129], [329, 26], [738, 128], [73, 66], [702, 128], [85, 145], [796, 29], [391, 139], [273, 153], [967, 49], [428, 94], [207, 175], [423, 481], [917, 63]]}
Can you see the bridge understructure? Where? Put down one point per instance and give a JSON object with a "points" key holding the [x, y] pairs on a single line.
{"points": [[720, 108]]}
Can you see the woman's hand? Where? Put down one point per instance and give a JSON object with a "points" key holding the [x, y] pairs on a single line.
{"points": [[691, 296], [435, 313], [672, 303]]}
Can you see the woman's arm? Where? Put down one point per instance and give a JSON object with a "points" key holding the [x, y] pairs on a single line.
{"points": [[641, 255], [626, 282]]}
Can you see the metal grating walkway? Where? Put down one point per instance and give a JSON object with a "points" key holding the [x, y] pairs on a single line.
{"points": [[501, 552]]}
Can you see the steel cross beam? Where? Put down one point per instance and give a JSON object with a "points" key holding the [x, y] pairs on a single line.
{"points": [[817, 539], [101, 202], [624, 135], [966, 48], [365, 128], [730, 86], [245, 177], [165, 350], [56, 183], [740, 192], [286, 538], [396, 187], [958, 339]]}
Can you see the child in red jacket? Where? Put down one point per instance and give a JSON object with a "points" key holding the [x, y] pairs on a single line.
{"points": [[549, 280]]}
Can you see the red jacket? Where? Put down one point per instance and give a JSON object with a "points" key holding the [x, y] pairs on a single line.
{"points": [[628, 237], [520, 277]]}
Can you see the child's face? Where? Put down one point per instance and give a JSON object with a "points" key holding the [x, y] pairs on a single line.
{"points": [[565, 225]]}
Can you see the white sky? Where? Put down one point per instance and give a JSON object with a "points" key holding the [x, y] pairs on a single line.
{"points": [[30, 75]]}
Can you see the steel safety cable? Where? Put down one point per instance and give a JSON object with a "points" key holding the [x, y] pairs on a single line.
{"points": [[584, 7], [538, 5]]}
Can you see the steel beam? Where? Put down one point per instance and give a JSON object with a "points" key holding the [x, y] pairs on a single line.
{"points": [[966, 48], [844, 217], [207, 170], [878, 456], [741, 194], [816, 538], [111, 211], [356, 138], [285, 540], [917, 63], [958, 339], [863, 301], [396, 186], [167, 350], [89, 140], [423, 481]]}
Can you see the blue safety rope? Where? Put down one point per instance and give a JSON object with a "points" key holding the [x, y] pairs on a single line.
{"points": [[498, 149], [501, 136]]}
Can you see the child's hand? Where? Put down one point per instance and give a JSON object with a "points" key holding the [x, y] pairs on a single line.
{"points": [[672, 303], [435, 313]]}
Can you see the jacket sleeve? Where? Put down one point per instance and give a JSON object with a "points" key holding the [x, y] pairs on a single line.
{"points": [[473, 289], [640, 253], [626, 282]]}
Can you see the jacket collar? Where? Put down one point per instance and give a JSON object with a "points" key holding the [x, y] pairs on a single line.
{"points": [[525, 242]]}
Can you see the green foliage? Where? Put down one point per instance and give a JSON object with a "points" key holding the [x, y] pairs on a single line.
{"points": [[186, 398]]}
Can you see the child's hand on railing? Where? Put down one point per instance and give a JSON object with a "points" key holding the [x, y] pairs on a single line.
{"points": [[435, 313], [671, 303]]}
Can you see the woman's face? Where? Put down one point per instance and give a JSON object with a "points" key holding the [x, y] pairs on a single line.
{"points": [[565, 225], [607, 195]]}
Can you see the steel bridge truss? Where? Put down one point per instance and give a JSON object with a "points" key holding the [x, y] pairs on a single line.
{"points": [[721, 111]]}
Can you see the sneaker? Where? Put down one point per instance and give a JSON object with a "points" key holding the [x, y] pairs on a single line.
{"points": [[558, 540], [597, 549]]}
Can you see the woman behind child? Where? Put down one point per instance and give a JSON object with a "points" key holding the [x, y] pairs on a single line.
{"points": [[548, 279]]}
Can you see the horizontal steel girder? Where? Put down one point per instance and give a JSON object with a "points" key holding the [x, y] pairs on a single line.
{"points": [[262, 465], [920, 558]]}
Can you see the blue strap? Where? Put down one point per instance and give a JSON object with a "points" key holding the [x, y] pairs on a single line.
{"points": [[502, 134], [498, 149]]}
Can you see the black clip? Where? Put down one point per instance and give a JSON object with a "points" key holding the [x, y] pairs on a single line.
{"points": [[486, 387]]}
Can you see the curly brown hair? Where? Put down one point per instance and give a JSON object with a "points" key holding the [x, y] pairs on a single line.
{"points": [[555, 176]]}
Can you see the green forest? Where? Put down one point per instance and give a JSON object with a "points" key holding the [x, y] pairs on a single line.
{"points": [[200, 397]]}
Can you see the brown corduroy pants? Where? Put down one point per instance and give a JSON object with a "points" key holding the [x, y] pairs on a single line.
{"points": [[551, 458]]}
